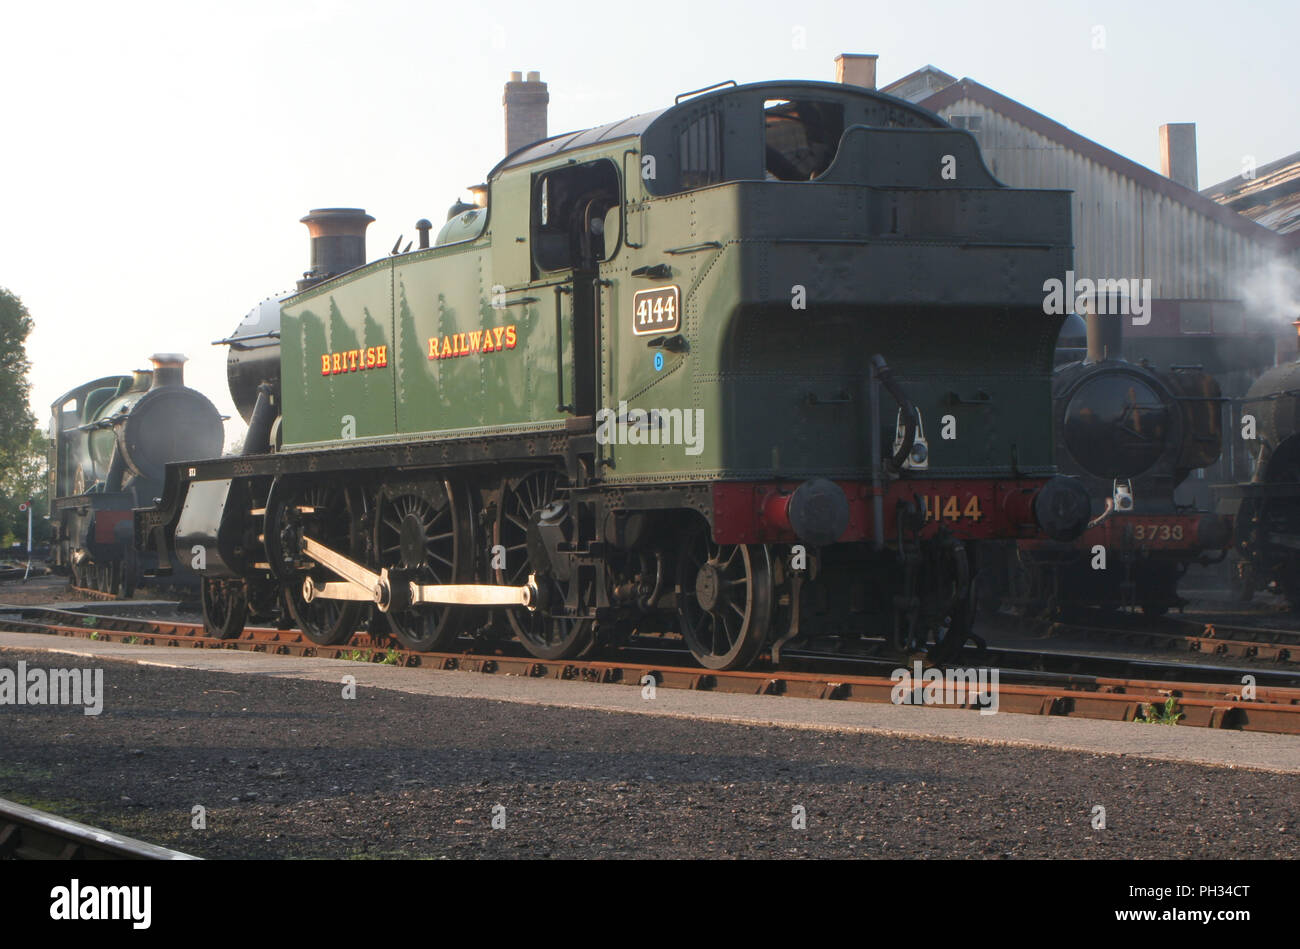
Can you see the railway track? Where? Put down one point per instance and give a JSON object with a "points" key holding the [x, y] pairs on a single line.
{"points": [[1229, 641], [29, 834], [93, 593], [1030, 682]]}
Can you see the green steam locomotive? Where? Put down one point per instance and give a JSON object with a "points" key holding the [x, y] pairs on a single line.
{"points": [[757, 369], [110, 442]]}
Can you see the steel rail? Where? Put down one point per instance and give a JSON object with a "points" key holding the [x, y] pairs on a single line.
{"points": [[29, 834]]}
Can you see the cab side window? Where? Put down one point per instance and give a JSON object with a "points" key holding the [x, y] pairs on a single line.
{"points": [[801, 137], [699, 150], [569, 208]]}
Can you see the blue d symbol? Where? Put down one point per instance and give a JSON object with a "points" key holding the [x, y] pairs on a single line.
{"points": [[659, 361]]}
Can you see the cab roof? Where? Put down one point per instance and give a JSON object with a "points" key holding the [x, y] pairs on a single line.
{"points": [[638, 125]]}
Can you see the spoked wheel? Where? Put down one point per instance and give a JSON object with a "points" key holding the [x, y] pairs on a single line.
{"points": [[423, 532], [225, 607], [724, 600], [545, 632], [331, 515]]}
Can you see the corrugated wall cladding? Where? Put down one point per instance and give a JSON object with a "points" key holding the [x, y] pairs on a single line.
{"points": [[1120, 228]]}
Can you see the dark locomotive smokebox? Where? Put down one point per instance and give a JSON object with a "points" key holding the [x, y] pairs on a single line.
{"points": [[1062, 508], [819, 512]]}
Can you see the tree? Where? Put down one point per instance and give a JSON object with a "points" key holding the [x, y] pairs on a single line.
{"points": [[22, 446], [26, 480]]}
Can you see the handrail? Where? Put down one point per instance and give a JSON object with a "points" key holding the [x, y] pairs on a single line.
{"points": [[696, 92]]}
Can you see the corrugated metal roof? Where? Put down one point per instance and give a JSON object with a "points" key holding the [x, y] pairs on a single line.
{"points": [[1282, 215], [1271, 198], [1142, 176]]}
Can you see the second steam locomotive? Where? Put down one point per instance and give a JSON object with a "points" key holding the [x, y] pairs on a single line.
{"points": [[683, 372], [1132, 433], [110, 442]]}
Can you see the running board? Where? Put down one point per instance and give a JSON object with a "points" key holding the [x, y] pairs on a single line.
{"points": [[365, 586]]}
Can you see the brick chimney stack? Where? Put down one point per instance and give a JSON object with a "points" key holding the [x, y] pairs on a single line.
{"points": [[525, 101], [856, 69], [1178, 153]]}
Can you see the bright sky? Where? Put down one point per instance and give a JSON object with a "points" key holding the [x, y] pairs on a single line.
{"points": [[156, 157]]}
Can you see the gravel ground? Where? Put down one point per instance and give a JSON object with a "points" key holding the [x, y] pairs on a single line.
{"points": [[39, 591], [288, 768], [55, 591]]}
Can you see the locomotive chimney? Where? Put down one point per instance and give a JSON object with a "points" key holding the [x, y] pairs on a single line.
{"points": [[1178, 153], [856, 69], [338, 242], [168, 370], [1105, 336], [525, 101]]}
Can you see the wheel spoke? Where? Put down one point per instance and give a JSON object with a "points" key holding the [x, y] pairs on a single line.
{"points": [[721, 638]]}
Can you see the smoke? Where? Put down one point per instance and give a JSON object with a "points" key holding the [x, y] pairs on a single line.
{"points": [[1271, 293]]}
